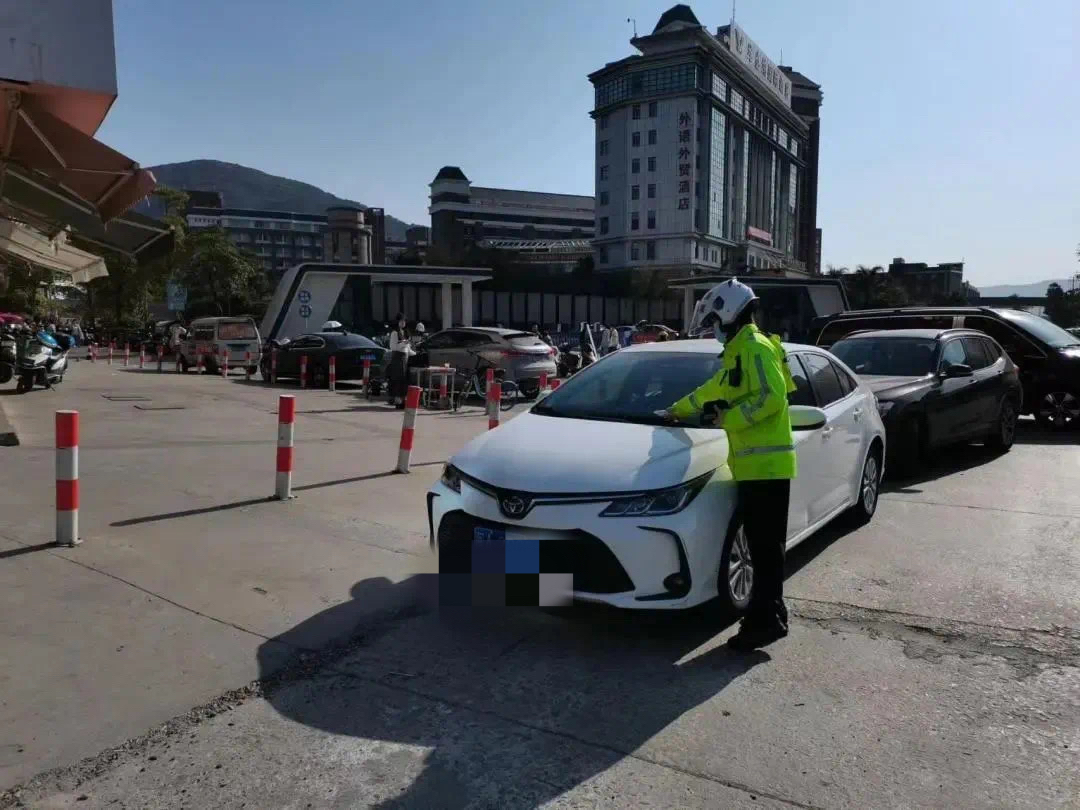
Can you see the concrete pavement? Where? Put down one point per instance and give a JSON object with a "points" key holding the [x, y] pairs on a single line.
{"points": [[934, 659]]}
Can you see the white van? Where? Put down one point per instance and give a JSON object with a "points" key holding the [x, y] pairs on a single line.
{"points": [[210, 337]]}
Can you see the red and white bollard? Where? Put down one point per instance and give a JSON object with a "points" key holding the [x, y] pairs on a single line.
{"points": [[224, 362], [67, 478], [489, 386], [112, 346], [543, 380], [444, 394], [247, 366], [412, 402], [127, 354], [142, 357], [93, 352], [273, 365], [555, 384], [367, 379], [286, 419], [494, 404], [303, 371], [160, 357], [199, 362], [332, 375]]}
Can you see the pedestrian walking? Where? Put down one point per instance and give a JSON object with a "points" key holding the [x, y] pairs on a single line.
{"points": [[750, 396], [400, 349]]}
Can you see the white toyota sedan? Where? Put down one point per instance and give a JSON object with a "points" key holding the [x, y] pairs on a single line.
{"points": [[640, 513]]}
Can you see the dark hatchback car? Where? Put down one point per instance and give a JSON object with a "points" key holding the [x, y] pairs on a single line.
{"points": [[1048, 356], [349, 352], [936, 387]]}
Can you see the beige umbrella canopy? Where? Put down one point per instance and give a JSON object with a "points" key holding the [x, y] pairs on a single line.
{"points": [[54, 254]]}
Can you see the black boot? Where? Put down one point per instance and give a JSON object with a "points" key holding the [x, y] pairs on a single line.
{"points": [[753, 636]]}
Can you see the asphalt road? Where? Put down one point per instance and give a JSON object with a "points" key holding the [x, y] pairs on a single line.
{"points": [[934, 658]]}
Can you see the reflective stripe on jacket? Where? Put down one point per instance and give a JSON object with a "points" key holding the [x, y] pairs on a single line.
{"points": [[755, 382]]}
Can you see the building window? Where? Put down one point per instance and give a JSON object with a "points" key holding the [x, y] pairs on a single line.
{"points": [[635, 139], [652, 164], [603, 198], [635, 112], [635, 166], [603, 255], [719, 87], [736, 101], [634, 223], [650, 250], [601, 148], [651, 191], [652, 220], [646, 83], [603, 122], [603, 224], [635, 252], [652, 137], [603, 172], [635, 192], [653, 109]]}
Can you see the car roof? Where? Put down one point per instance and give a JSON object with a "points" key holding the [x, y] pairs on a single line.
{"points": [[706, 346], [487, 330], [929, 334]]}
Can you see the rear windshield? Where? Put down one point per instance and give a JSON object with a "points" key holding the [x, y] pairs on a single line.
{"points": [[522, 340], [887, 356], [237, 331]]}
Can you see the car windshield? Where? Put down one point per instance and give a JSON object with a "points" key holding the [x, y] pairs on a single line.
{"points": [[887, 356], [630, 386], [237, 330], [355, 342], [1041, 328]]}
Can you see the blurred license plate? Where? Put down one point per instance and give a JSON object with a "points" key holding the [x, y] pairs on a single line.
{"points": [[367, 357], [491, 537], [237, 347]]}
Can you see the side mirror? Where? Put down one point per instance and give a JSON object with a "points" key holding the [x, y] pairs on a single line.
{"points": [[806, 417], [957, 370]]}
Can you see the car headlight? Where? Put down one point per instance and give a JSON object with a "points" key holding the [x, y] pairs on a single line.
{"points": [[659, 501], [451, 477], [883, 408]]}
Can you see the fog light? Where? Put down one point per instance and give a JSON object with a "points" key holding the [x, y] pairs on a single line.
{"points": [[675, 582]]}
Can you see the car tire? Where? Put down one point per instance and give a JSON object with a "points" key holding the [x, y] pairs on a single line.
{"points": [[862, 512], [184, 364], [1057, 410], [1001, 437], [736, 586]]}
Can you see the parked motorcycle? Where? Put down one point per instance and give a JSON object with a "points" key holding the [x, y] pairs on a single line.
{"points": [[568, 361], [43, 362], [8, 355]]}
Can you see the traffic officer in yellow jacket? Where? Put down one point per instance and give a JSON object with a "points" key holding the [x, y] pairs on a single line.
{"points": [[750, 397]]}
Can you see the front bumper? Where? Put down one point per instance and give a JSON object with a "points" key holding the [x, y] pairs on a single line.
{"points": [[664, 562]]}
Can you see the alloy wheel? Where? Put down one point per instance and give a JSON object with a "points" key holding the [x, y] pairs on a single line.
{"points": [[1059, 409], [870, 481], [740, 573]]}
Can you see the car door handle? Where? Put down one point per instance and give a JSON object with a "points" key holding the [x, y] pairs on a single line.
{"points": [[857, 413], [825, 431]]}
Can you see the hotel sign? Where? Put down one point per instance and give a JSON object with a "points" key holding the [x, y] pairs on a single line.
{"points": [[747, 52]]}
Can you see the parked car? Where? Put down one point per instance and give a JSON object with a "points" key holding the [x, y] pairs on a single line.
{"points": [[213, 337], [632, 506], [522, 356], [349, 352], [650, 332], [1047, 355], [936, 387]]}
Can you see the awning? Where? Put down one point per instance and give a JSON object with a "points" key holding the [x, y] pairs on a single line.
{"points": [[39, 201], [82, 166], [55, 254]]}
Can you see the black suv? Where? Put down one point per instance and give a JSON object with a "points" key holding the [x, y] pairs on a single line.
{"points": [[936, 387], [1047, 355]]}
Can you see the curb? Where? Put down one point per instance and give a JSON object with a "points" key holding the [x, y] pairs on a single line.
{"points": [[8, 437]]}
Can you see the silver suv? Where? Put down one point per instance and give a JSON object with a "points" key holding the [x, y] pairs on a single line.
{"points": [[522, 356]]}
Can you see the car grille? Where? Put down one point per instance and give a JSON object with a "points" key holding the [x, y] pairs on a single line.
{"points": [[593, 565]]}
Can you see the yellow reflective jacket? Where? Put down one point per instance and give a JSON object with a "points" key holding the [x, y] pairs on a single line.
{"points": [[755, 382]]}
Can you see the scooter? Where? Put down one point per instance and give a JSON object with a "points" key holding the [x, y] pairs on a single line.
{"points": [[568, 361], [43, 363]]}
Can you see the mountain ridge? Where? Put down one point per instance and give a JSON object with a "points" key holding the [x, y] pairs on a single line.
{"points": [[245, 187], [1034, 289]]}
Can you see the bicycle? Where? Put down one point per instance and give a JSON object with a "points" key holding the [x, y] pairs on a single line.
{"points": [[476, 385]]}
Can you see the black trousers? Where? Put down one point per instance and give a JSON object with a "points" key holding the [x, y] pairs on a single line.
{"points": [[398, 375], [764, 508]]}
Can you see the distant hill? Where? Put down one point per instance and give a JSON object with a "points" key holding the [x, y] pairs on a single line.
{"points": [[1032, 290], [244, 187]]}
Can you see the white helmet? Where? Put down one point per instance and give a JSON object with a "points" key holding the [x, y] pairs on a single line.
{"points": [[420, 329], [331, 326], [721, 306]]}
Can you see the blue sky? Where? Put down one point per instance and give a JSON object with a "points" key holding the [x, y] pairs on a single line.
{"points": [[949, 128]]}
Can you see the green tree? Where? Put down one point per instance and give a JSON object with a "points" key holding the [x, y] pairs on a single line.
{"points": [[218, 277]]}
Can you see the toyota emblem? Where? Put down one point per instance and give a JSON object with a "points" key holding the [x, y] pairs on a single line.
{"points": [[514, 506]]}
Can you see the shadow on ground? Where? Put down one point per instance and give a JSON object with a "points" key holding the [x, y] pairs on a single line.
{"points": [[516, 706]]}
